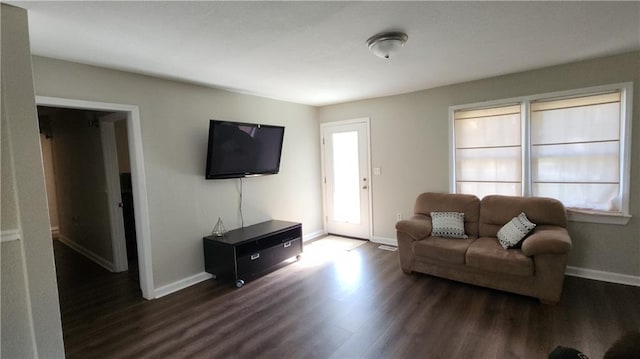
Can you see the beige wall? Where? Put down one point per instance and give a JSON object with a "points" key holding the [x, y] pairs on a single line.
{"points": [[16, 339], [29, 284], [8, 209], [410, 143], [15, 320], [183, 206], [80, 177]]}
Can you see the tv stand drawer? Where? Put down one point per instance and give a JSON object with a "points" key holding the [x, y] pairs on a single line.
{"points": [[286, 250], [253, 264]]}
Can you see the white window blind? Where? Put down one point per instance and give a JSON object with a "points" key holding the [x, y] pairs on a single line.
{"points": [[573, 145], [488, 157], [575, 151]]}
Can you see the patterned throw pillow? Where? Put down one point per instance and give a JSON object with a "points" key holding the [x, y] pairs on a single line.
{"points": [[448, 225], [514, 231]]}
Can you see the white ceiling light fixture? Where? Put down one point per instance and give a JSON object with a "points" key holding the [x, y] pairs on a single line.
{"points": [[386, 44]]}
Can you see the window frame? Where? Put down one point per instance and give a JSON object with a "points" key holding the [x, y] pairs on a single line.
{"points": [[626, 115]]}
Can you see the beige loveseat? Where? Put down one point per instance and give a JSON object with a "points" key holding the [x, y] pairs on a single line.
{"points": [[537, 269]]}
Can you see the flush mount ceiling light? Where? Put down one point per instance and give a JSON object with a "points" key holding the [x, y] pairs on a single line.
{"points": [[385, 44]]}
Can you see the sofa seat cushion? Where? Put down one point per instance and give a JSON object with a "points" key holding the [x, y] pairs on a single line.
{"points": [[486, 253], [443, 249]]}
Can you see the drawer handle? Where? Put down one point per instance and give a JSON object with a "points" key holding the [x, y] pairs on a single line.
{"points": [[287, 244], [255, 256]]}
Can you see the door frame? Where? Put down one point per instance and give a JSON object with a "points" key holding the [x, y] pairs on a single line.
{"points": [[138, 181], [323, 126]]}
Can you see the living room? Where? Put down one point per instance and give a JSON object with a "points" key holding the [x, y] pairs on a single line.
{"points": [[409, 135]]}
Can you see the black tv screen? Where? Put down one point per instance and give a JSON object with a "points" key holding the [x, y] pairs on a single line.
{"points": [[238, 149]]}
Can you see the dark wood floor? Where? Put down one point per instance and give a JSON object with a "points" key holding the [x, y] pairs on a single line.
{"points": [[358, 304]]}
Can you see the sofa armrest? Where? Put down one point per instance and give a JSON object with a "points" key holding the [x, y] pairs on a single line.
{"points": [[417, 227], [547, 240]]}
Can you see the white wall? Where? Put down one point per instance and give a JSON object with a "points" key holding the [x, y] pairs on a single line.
{"points": [[29, 289], [410, 143], [183, 206]]}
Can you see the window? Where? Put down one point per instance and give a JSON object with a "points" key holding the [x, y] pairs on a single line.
{"points": [[488, 151], [575, 151], [572, 146]]}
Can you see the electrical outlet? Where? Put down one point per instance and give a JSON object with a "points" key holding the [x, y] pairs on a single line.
{"points": [[399, 216]]}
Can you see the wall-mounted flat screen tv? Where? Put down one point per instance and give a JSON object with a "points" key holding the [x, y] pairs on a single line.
{"points": [[238, 149]]}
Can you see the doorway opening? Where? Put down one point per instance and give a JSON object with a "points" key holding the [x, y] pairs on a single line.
{"points": [[78, 158], [101, 204]]}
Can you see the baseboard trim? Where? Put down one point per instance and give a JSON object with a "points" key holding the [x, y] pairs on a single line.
{"points": [[181, 284], [385, 240], [10, 235], [313, 235], [55, 232], [99, 260], [603, 276]]}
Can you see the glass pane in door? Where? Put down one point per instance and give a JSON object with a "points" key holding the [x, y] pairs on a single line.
{"points": [[346, 177]]}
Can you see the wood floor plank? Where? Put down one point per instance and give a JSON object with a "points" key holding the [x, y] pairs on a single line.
{"points": [[354, 304]]}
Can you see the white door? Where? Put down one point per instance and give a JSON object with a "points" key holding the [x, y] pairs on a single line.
{"points": [[345, 149], [109, 152]]}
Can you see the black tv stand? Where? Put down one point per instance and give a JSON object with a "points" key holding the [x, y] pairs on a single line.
{"points": [[246, 253]]}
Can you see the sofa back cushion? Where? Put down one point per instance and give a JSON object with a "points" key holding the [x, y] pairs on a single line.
{"points": [[496, 211], [448, 202]]}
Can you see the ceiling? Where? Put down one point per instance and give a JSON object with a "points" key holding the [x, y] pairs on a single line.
{"points": [[314, 52]]}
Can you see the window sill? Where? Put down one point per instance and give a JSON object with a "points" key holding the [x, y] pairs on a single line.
{"points": [[576, 215]]}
